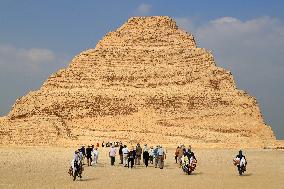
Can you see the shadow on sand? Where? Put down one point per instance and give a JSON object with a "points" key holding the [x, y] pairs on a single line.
{"points": [[197, 173], [247, 175], [87, 179]]}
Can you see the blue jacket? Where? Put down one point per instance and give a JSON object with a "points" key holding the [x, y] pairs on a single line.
{"points": [[155, 152]]}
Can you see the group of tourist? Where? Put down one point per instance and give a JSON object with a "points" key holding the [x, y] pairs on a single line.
{"points": [[128, 157], [133, 155], [136, 155], [91, 153]]}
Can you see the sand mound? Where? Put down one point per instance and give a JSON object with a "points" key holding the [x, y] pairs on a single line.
{"points": [[146, 81]]}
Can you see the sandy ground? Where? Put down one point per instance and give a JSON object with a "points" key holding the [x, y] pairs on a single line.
{"points": [[46, 167]]}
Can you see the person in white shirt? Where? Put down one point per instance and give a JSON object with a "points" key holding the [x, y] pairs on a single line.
{"points": [[243, 162], [75, 162], [112, 153], [95, 153], [125, 152], [80, 156]]}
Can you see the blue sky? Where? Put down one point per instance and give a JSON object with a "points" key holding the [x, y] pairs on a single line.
{"points": [[246, 37]]}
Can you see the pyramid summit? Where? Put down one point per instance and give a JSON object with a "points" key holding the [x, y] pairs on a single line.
{"points": [[154, 32], [147, 81]]}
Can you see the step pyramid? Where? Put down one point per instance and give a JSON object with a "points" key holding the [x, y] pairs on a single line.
{"points": [[146, 82]]}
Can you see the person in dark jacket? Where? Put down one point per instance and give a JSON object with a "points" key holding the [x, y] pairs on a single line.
{"points": [[120, 153], [131, 157], [187, 151], [146, 157], [89, 155], [83, 150], [240, 155]]}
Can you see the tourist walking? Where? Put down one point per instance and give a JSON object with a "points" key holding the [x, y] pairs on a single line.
{"points": [[156, 156], [125, 152], [83, 150], [144, 149], [146, 157], [89, 155], [161, 157], [112, 153], [96, 156], [131, 157], [80, 155], [74, 164], [180, 155], [138, 154], [176, 153], [120, 153], [151, 155]]}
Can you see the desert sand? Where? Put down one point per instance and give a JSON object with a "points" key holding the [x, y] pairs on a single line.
{"points": [[46, 167]]}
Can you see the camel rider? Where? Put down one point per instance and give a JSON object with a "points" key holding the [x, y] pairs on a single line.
{"points": [[240, 157]]}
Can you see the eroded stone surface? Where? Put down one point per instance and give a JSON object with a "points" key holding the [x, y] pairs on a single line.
{"points": [[148, 82]]}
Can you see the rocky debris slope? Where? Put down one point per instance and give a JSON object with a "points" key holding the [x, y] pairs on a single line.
{"points": [[145, 82]]}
